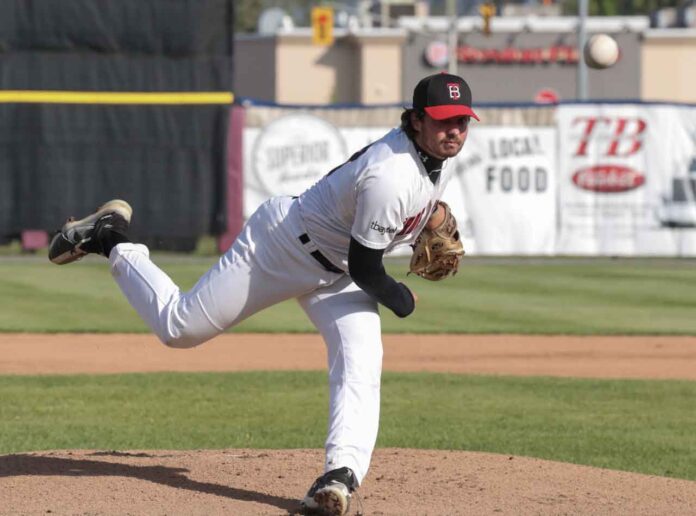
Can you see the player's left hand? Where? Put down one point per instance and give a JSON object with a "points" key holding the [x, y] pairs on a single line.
{"points": [[437, 250]]}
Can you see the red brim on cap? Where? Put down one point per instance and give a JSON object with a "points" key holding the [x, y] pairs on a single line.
{"points": [[450, 111]]}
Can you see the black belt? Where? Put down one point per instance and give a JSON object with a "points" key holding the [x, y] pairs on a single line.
{"points": [[323, 260]]}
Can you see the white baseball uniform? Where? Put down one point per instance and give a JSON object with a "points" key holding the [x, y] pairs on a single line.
{"points": [[381, 197]]}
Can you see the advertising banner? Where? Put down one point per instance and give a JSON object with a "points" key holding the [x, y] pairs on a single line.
{"points": [[293, 152], [627, 180], [503, 191]]}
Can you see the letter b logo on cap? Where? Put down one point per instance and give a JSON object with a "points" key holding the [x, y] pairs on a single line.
{"points": [[453, 88]]}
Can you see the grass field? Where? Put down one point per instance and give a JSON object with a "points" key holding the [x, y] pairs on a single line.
{"points": [[643, 426], [544, 296]]}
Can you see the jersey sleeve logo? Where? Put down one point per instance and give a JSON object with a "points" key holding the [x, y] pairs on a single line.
{"points": [[376, 226]]}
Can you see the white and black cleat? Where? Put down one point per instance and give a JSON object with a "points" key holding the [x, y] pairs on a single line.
{"points": [[331, 493], [78, 238]]}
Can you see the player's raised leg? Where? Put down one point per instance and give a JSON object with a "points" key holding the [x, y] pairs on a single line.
{"points": [[265, 265]]}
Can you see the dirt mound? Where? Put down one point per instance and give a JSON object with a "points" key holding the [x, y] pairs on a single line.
{"points": [[270, 481]]}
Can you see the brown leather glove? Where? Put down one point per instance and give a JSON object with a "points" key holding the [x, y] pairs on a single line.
{"points": [[436, 252]]}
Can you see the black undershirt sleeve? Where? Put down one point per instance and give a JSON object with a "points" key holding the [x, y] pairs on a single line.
{"points": [[367, 270]]}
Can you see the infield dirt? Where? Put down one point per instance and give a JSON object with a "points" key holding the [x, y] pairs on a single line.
{"points": [[400, 481]]}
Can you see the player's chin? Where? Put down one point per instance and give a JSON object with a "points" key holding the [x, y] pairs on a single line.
{"points": [[450, 149]]}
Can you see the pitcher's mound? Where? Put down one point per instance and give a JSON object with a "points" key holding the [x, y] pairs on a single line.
{"points": [[401, 482]]}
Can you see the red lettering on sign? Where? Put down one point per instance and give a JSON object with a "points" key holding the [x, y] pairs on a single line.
{"points": [[590, 124], [621, 130], [608, 178], [627, 129], [562, 54]]}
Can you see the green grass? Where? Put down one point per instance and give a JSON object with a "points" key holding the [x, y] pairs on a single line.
{"points": [[640, 426], [543, 296]]}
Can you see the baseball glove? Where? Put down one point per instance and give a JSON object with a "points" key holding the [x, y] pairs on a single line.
{"points": [[436, 252]]}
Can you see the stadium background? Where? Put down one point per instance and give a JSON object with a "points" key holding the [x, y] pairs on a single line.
{"points": [[135, 100]]}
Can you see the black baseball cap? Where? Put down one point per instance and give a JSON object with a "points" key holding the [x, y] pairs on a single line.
{"points": [[443, 96]]}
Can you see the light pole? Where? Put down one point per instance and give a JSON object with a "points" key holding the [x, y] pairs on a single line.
{"points": [[452, 37], [582, 38]]}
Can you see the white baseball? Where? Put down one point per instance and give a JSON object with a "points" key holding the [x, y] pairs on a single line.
{"points": [[601, 51]]}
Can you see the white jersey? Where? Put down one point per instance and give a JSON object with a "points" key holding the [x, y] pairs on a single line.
{"points": [[382, 197]]}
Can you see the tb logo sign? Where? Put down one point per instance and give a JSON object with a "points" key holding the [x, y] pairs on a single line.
{"points": [[616, 137]]}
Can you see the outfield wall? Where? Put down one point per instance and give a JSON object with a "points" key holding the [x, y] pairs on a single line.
{"points": [[594, 179], [115, 98]]}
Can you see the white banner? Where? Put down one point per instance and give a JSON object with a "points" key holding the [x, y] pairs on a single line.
{"points": [[287, 156], [293, 152], [504, 191], [627, 180]]}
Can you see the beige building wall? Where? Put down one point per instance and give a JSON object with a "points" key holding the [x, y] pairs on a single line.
{"points": [[367, 67], [362, 67], [311, 74], [381, 61], [668, 70]]}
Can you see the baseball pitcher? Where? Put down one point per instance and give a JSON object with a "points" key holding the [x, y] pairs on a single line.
{"points": [[325, 249]]}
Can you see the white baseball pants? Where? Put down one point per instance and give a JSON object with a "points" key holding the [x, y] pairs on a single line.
{"points": [[265, 265]]}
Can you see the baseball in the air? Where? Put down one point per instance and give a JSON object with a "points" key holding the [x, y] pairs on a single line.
{"points": [[601, 51]]}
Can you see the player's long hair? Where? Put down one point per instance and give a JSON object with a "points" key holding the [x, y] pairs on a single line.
{"points": [[406, 125]]}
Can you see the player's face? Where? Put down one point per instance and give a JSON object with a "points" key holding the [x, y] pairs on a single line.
{"points": [[441, 138]]}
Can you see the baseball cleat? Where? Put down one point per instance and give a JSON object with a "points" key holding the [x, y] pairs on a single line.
{"points": [[78, 238], [330, 494]]}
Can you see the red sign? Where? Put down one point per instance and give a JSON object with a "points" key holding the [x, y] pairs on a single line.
{"points": [[546, 96], [437, 54], [608, 178], [561, 54]]}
